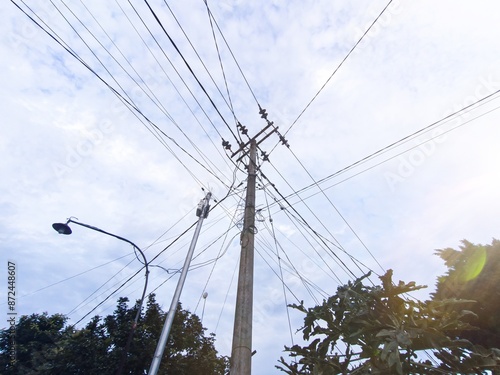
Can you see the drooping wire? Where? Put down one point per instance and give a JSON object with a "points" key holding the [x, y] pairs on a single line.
{"points": [[134, 109], [337, 211], [335, 71], [221, 65], [175, 69], [281, 269], [227, 294], [232, 54], [229, 104], [334, 256], [191, 70], [403, 140], [156, 101]]}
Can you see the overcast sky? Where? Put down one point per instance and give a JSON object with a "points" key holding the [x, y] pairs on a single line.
{"points": [[71, 147]]}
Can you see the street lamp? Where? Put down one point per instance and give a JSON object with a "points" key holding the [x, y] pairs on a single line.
{"points": [[64, 228]]}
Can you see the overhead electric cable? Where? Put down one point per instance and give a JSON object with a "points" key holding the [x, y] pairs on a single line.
{"points": [[149, 94], [294, 220], [400, 141], [109, 296], [220, 63], [135, 110], [130, 103], [229, 104], [190, 69], [154, 258], [89, 297], [271, 221], [177, 72], [334, 256], [73, 276], [337, 211], [316, 237], [234, 57], [336, 70]]}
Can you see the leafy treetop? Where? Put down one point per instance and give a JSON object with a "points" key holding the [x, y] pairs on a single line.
{"points": [[47, 345], [365, 329]]}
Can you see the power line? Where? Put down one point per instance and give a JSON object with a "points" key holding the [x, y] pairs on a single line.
{"points": [[335, 71], [229, 104], [109, 296], [232, 54], [156, 101], [130, 105], [74, 276], [221, 65], [316, 236], [190, 69], [403, 140], [176, 71], [155, 127], [150, 261], [338, 212]]}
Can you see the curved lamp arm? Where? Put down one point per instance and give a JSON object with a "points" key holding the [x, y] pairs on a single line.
{"points": [[65, 229]]}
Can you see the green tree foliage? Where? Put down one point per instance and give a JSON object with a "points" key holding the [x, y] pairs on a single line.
{"points": [[474, 274], [36, 342], [365, 329], [47, 345]]}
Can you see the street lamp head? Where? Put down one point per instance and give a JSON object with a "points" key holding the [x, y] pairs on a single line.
{"points": [[62, 228]]}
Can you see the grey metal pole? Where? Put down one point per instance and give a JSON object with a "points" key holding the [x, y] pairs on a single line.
{"points": [[241, 354], [202, 212]]}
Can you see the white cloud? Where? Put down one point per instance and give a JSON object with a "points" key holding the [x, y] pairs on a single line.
{"points": [[69, 147]]}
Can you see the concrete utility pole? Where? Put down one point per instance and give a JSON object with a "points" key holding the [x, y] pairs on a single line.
{"points": [[202, 213], [241, 354]]}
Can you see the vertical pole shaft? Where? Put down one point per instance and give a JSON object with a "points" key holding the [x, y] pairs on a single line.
{"points": [[162, 342], [241, 355]]}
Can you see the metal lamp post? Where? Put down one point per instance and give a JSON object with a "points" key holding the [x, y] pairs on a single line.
{"points": [[202, 213], [64, 228]]}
